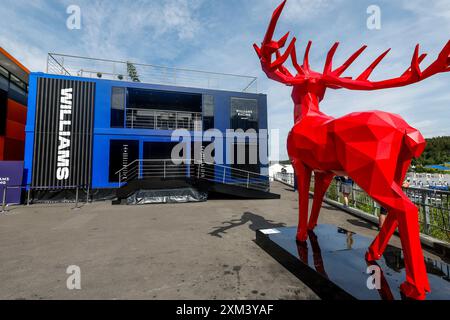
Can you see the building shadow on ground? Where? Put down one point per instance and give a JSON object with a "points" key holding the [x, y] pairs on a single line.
{"points": [[256, 222]]}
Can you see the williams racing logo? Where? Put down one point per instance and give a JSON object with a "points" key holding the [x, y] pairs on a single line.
{"points": [[64, 135]]}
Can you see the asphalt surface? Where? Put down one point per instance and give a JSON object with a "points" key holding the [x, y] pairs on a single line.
{"points": [[172, 251]]}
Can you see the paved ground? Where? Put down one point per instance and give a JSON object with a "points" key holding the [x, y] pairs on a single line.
{"points": [[179, 251]]}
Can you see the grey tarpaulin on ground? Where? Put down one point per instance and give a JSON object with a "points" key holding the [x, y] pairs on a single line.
{"points": [[181, 195]]}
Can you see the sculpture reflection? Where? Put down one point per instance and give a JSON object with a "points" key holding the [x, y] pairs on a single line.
{"points": [[302, 248], [349, 237], [384, 291], [392, 257]]}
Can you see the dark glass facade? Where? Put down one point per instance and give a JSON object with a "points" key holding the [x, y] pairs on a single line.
{"points": [[246, 157], [208, 112], [163, 100], [3, 108], [121, 154], [156, 110], [244, 114], [158, 150], [118, 107]]}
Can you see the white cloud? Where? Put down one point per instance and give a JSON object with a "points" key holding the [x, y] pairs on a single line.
{"points": [[305, 10], [137, 27], [435, 8], [177, 15]]}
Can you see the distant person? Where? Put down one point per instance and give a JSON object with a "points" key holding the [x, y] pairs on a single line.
{"points": [[346, 188], [383, 214], [406, 183]]}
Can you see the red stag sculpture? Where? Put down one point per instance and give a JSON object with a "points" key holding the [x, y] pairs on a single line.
{"points": [[374, 148]]}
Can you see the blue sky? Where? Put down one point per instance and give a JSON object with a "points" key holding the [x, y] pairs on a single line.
{"points": [[217, 35]]}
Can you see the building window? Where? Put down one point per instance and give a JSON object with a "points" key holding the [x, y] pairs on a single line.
{"points": [[244, 114], [4, 83], [164, 100], [118, 107], [3, 111], [245, 157], [19, 83], [158, 151], [122, 154], [208, 112], [163, 110], [4, 72]]}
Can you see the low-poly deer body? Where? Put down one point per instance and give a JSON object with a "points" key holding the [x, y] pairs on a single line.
{"points": [[374, 148]]}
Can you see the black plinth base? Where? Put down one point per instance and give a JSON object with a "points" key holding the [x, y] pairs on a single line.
{"points": [[332, 264]]}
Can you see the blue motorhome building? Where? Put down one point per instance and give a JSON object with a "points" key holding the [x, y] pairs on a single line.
{"points": [[82, 131]]}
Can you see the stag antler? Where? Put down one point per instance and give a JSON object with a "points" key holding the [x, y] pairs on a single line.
{"points": [[275, 70], [332, 78], [412, 75]]}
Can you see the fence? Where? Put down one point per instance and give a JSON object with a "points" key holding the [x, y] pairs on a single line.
{"points": [[136, 72], [167, 169], [163, 120], [30, 189], [433, 205]]}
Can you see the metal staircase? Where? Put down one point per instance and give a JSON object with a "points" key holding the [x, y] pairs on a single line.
{"points": [[165, 173]]}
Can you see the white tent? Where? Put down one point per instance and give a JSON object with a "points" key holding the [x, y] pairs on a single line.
{"points": [[275, 168], [289, 168], [278, 168]]}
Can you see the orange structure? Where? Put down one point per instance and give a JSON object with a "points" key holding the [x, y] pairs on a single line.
{"points": [[13, 110]]}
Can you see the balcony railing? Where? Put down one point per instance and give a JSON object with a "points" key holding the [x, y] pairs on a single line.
{"points": [[163, 120]]}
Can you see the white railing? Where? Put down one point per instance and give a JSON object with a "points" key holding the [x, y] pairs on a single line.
{"points": [[198, 170], [146, 73], [163, 120]]}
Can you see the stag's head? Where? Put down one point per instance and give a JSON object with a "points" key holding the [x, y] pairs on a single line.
{"points": [[306, 80]]}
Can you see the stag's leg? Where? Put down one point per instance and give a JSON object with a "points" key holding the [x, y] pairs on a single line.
{"points": [[416, 283], [321, 183], [380, 243], [303, 182], [404, 214]]}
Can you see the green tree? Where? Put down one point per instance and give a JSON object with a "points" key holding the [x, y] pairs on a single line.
{"points": [[132, 72], [437, 151]]}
